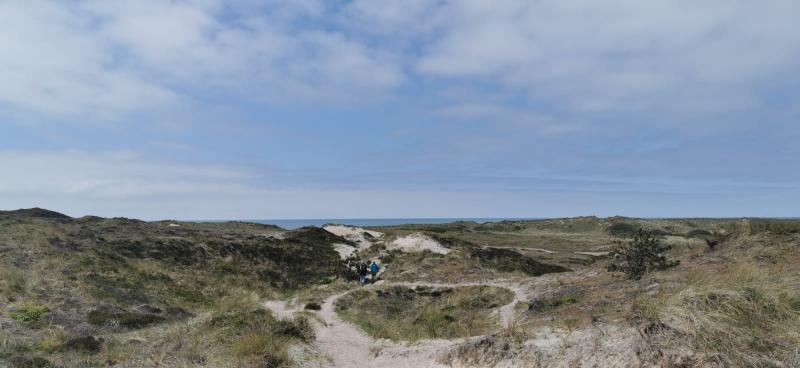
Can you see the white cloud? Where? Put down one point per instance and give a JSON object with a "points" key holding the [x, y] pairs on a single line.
{"points": [[53, 63], [101, 60], [98, 60], [621, 54]]}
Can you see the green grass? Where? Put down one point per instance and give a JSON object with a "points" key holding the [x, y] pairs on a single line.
{"points": [[404, 314], [30, 313]]}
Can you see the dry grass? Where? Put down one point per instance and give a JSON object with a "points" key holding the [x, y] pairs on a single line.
{"points": [[741, 315], [12, 281], [404, 314]]}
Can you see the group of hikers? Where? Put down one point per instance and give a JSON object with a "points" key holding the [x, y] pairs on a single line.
{"points": [[362, 269]]}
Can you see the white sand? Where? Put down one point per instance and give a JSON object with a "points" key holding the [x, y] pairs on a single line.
{"points": [[344, 250], [539, 250], [594, 254], [417, 242], [345, 231], [354, 234]]}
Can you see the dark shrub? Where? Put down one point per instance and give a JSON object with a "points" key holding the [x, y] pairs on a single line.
{"points": [[699, 233], [28, 362], [506, 260], [555, 300], [313, 306], [622, 229], [643, 254], [85, 344], [107, 316]]}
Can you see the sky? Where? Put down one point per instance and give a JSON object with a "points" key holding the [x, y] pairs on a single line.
{"points": [[211, 109]]}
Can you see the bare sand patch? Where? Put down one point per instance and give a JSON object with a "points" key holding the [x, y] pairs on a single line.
{"points": [[417, 242]]}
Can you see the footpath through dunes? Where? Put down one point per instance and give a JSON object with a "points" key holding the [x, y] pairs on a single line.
{"points": [[347, 345]]}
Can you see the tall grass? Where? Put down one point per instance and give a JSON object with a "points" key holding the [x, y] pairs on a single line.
{"points": [[744, 315], [12, 281], [775, 226]]}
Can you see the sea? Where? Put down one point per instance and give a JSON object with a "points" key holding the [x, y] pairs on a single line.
{"points": [[297, 223]]}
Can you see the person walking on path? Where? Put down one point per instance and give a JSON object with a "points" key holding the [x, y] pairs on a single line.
{"points": [[373, 268], [362, 273]]}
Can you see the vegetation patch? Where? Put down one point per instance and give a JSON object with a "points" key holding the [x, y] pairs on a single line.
{"points": [[20, 361], [30, 314], [112, 317], [643, 254], [400, 313], [622, 229], [12, 281], [743, 315], [775, 226], [83, 344], [506, 260], [554, 300]]}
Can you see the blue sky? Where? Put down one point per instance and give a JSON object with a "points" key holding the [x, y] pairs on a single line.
{"points": [[418, 108]]}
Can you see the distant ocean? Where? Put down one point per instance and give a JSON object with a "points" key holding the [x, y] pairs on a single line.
{"points": [[294, 224]]}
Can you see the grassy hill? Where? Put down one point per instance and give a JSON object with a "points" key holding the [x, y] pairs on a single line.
{"points": [[97, 292]]}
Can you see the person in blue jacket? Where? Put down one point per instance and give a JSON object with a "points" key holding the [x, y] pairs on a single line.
{"points": [[373, 268]]}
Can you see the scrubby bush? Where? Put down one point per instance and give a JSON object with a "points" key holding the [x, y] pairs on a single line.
{"points": [[644, 253]]}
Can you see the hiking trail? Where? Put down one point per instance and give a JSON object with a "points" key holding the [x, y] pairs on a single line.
{"points": [[346, 345]]}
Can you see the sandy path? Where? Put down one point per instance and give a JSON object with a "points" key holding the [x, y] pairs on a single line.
{"points": [[348, 346]]}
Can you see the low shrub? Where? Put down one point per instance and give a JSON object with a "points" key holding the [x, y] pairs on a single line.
{"points": [[29, 362], [84, 344], [30, 313]]}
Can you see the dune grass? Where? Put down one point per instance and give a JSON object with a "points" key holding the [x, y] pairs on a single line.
{"points": [[742, 315], [404, 314]]}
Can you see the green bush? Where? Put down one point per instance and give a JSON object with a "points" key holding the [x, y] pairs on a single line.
{"points": [[643, 254], [30, 313]]}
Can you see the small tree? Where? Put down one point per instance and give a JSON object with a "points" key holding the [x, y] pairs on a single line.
{"points": [[641, 255]]}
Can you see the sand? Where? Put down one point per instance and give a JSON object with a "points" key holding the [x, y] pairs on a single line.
{"points": [[418, 242]]}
